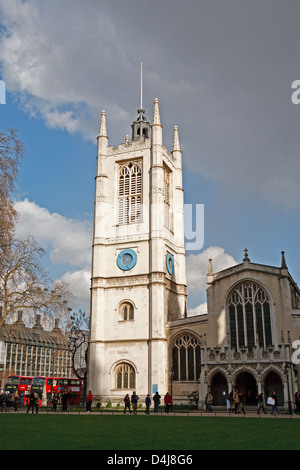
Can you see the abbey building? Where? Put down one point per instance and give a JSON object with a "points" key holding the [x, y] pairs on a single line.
{"points": [[141, 338]]}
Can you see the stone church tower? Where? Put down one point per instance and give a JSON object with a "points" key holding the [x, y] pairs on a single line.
{"points": [[138, 265]]}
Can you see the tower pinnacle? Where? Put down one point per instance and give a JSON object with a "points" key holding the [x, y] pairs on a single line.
{"points": [[103, 132], [176, 145], [156, 116]]}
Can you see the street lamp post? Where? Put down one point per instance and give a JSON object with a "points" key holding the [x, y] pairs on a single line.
{"points": [[171, 380], [286, 371]]}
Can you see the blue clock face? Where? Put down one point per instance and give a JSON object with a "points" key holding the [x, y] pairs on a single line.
{"points": [[170, 264], [126, 259]]}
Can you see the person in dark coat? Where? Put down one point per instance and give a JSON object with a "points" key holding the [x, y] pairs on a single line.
{"points": [[260, 403], [297, 403], [32, 402], [54, 402], [147, 403], [3, 401], [134, 401], [156, 400], [127, 403], [64, 401]]}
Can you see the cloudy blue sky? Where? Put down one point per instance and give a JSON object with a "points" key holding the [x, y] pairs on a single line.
{"points": [[222, 70]]}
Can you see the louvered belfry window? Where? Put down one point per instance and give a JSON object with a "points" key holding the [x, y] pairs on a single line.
{"points": [[167, 197], [130, 193]]}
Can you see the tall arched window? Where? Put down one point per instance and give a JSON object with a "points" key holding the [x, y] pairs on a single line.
{"points": [[125, 376], [186, 358], [249, 313], [126, 311], [130, 193]]}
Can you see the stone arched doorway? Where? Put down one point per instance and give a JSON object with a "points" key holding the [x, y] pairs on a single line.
{"points": [[246, 383], [273, 383], [219, 389]]}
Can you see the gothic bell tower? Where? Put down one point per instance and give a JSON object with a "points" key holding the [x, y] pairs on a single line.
{"points": [[138, 280]]}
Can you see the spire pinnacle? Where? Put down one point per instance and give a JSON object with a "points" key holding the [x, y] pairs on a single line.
{"points": [[210, 267], [283, 262], [176, 145], [103, 132], [156, 116], [246, 257]]}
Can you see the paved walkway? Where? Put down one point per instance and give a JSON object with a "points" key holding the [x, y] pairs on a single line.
{"points": [[192, 413]]}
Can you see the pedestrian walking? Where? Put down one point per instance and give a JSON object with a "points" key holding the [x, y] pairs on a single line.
{"points": [[54, 402], [32, 400], [127, 403], [208, 402], [3, 401], [64, 401], [156, 401], [36, 402], [148, 404], [275, 404], [260, 403], [15, 400], [134, 402], [241, 403], [89, 401], [236, 401], [230, 404], [168, 402], [297, 403]]}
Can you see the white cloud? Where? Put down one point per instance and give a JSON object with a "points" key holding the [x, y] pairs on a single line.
{"points": [[68, 243], [56, 58], [79, 282], [199, 310], [66, 61], [68, 240], [197, 266]]}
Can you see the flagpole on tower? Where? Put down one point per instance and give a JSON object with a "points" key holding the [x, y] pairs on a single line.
{"points": [[141, 85]]}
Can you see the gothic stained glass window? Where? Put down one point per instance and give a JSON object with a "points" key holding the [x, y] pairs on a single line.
{"points": [[186, 358], [249, 316], [125, 376], [130, 193]]}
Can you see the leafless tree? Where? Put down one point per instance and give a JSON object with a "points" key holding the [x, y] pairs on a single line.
{"points": [[24, 284], [78, 332], [11, 153]]}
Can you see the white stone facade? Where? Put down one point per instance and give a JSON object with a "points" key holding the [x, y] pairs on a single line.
{"points": [[139, 209]]}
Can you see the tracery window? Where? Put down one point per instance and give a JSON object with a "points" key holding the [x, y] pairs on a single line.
{"points": [[125, 376], [130, 193], [249, 314], [186, 358]]}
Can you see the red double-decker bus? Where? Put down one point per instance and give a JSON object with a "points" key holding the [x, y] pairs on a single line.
{"points": [[20, 384], [45, 387]]}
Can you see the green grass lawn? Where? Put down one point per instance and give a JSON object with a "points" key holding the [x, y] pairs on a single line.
{"points": [[92, 432]]}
